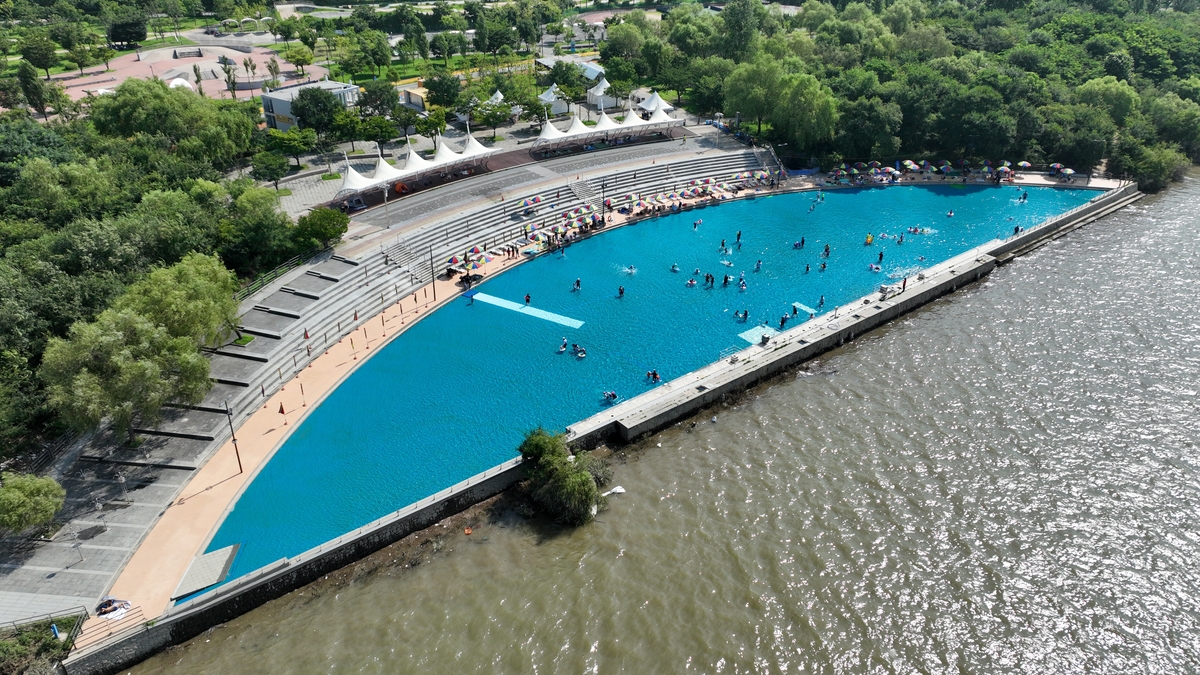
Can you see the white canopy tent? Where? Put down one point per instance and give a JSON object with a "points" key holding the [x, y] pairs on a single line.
{"points": [[474, 148], [444, 155], [605, 123], [660, 116], [550, 133], [180, 83], [353, 181], [598, 96], [654, 102], [578, 128], [551, 98]]}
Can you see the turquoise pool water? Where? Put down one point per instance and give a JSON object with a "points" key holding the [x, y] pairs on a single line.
{"points": [[453, 395]]}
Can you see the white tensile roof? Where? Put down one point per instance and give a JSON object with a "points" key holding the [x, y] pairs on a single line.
{"points": [[578, 127], [495, 98], [651, 104], [386, 172], [550, 95], [474, 148], [550, 132], [600, 88], [605, 123], [415, 162], [660, 115], [444, 154], [179, 82], [353, 181]]}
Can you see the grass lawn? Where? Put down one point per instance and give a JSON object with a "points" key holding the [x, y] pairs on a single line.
{"points": [[283, 192], [244, 340], [357, 152], [330, 176]]}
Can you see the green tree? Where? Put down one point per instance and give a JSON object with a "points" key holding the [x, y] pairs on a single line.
{"points": [[38, 49], [33, 89], [752, 89], [191, 299], [443, 87], [299, 56], [741, 25], [565, 487], [432, 124], [624, 40], [806, 112], [121, 367], [293, 142], [492, 115], [81, 56], [347, 127], [26, 500], [377, 97], [315, 109], [321, 227], [379, 129], [268, 165], [1118, 99]]}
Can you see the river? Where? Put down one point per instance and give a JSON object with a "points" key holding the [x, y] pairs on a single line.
{"points": [[1004, 481]]}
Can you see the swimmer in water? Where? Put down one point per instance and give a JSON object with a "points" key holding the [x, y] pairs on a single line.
{"points": [[697, 271], [881, 256], [620, 291], [742, 284], [564, 345], [801, 242], [691, 282], [826, 250], [821, 303], [950, 214], [758, 266], [806, 269], [674, 267], [822, 267], [631, 270]]}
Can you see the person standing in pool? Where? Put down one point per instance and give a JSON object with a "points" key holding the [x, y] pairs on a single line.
{"points": [[881, 256], [821, 302], [620, 291], [739, 237], [806, 269], [526, 299], [826, 250], [576, 284]]}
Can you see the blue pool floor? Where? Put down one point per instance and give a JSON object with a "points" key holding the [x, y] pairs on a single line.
{"points": [[454, 395]]}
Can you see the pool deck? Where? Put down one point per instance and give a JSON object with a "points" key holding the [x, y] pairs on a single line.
{"points": [[153, 573]]}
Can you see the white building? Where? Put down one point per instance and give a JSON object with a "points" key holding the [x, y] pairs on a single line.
{"points": [[277, 103]]}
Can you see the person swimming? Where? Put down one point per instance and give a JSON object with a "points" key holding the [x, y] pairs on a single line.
{"points": [[796, 245], [620, 291], [631, 270], [691, 282], [697, 271], [674, 267], [563, 348], [821, 302], [758, 266], [742, 284], [823, 267], [806, 269], [826, 250], [950, 214]]}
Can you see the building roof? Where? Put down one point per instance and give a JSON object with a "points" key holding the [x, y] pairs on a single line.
{"points": [[289, 93]]}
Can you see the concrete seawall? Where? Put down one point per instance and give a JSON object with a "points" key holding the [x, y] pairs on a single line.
{"points": [[644, 414]]}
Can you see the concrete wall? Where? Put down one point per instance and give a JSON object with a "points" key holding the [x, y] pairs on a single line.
{"points": [[187, 620]]}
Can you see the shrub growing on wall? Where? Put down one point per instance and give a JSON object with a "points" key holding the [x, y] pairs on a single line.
{"points": [[565, 487]]}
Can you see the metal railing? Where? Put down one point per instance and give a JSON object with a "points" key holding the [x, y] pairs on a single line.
{"points": [[265, 278]]}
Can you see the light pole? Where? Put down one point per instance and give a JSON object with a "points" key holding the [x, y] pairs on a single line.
{"points": [[237, 453]]}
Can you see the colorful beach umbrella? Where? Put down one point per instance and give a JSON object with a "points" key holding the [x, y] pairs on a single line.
{"points": [[539, 236], [1056, 165], [1024, 165], [1004, 169], [1005, 162], [1068, 172], [454, 260], [485, 258], [874, 164], [475, 265]]}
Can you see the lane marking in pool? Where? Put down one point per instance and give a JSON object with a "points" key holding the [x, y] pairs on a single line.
{"points": [[525, 309], [804, 308], [754, 335]]}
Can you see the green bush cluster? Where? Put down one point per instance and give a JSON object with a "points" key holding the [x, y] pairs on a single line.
{"points": [[564, 486], [22, 647]]}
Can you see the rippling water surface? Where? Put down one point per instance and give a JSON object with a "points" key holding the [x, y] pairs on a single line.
{"points": [[1004, 481]]}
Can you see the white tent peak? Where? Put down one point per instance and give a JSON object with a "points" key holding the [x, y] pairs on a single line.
{"points": [[444, 154], [654, 102], [577, 127], [495, 98]]}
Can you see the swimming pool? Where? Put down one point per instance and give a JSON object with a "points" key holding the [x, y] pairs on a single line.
{"points": [[454, 394]]}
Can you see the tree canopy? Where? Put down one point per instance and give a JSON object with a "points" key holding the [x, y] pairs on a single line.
{"points": [[27, 500]]}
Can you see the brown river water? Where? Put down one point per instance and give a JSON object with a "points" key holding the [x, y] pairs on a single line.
{"points": [[1002, 482]]}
